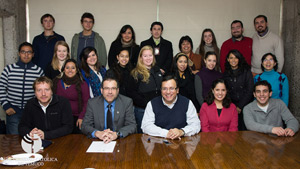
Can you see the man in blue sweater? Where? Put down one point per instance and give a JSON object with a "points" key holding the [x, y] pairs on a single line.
{"points": [[44, 43], [16, 86], [170, 115]]}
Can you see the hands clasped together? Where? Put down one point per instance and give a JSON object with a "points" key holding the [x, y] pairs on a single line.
{"points": [[175, 133], [106, 136], [279, 131]]}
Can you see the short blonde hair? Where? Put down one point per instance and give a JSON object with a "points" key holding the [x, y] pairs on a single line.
{"points": [[141, 68]]}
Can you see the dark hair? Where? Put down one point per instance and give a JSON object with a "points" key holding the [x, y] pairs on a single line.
{"points": [[87, 15], [46, 16], [174, 64], [264, 57], [260, 16], [242, 65], [170, 77], [123, 30], [157, 23], [84, 56], [109, 78], [237, 21], [42, 79], [214, 42], [116, 68], [212, 53], [263, 83], [76, 66], [26, 44], [187, 38], [210, 96]]}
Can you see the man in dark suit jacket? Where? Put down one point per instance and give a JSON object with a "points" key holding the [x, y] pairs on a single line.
{"points": [[109, 116], [162, 48]]}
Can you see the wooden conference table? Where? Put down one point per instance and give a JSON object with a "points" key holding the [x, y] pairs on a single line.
{"points": [[206, 150]]}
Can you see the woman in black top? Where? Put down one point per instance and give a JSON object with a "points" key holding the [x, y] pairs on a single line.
{"points": [[240, 81]]}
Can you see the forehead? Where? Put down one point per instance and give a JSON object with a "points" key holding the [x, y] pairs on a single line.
{"points": [[87, 19], [207, 33], [182, 58], [236, 24], [220, 86], [42, 85], [211, 57], [48, 19], [26, 48], [70, 64], [259, 19], [169, 83], [156, 27], [110, 83], [261, 88]]}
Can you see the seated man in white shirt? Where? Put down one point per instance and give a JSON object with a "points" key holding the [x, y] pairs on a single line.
{"points": [[170, 115]]}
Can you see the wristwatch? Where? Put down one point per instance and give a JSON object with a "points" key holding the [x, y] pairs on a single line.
{"points": [[119, 134]]}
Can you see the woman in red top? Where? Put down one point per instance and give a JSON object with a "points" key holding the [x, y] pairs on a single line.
{"points": [[217, 112]]}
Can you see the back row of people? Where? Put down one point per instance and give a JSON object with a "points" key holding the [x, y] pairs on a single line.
{"points": [[264, 41]]}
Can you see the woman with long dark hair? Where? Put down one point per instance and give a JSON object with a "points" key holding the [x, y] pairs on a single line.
{"points": [[71, 86], [125, 39], [121, 71], [217, 112], [92, 71], [240, 81], [185, 78]]}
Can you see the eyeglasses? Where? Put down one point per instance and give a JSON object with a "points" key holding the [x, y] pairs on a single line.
{"points": [[88, 22], [270, 60], [26, 52], [171, 89], [108, 89]]}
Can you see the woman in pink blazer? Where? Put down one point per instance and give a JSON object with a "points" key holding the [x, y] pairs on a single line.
{"points": [[217, 112]]}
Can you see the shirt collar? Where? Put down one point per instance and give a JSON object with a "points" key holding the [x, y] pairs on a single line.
{"points": [[171, 105]]}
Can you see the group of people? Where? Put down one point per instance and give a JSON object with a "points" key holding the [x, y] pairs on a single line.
{"points": [[146, 89]]}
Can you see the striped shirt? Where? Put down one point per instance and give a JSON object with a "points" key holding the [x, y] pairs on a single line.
{"points": [[16, 84]]}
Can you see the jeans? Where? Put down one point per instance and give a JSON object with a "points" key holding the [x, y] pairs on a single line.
{"points": [[12, 121], [139, 114]]}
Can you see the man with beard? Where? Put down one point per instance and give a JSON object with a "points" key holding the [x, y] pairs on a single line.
{"points": [[264, 41], [239, 42]]}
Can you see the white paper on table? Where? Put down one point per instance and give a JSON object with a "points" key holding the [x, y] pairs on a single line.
{"points": [[101, 147]]}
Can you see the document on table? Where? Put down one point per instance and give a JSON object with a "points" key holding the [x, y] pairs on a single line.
{"points": [[101, 147]]}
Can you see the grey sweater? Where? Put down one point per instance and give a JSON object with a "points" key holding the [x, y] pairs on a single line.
{"points": [[257, 120]]}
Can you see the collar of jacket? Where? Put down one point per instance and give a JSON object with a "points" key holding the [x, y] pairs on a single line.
{"points": [[23, 65]]}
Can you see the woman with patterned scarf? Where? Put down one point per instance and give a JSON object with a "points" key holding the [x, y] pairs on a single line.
{"points": [[91, 70], [71, 86]]}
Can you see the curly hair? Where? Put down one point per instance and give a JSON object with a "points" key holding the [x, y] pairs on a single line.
{"points": [[242, 65]]}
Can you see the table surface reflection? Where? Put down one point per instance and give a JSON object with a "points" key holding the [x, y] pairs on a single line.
{"points": [[245, 149]]}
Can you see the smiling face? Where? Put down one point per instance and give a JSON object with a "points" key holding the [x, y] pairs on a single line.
{"points": [[62, 52], [26, 54], [210, 62], [110, 90], [260, 25], [207, 38], [156, 31], [186, 47], [92, 59], [220, 92], [70, 69], [269, 63], [123, 58], [182, 64], [233, 61], [127, 35], [237, 30], [262, 95], [43, 93], [169, 91], [147, 58]]}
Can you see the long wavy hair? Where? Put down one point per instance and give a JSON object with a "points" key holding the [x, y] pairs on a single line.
{"points": [[123, 30], [55, 61], [210, 96], [214, 43], [140, 69], [242, 65], [175, 67], [84, 56]]}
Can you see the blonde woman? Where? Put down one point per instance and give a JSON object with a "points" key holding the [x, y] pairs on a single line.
{"points": [[61, 54], [145, 83]]}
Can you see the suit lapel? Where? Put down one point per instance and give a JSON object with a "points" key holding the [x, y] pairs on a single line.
{"points": [[100, 111]]}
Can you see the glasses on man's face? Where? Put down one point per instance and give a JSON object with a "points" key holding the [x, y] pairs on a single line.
{"points": [[90, 22], [26, 52], [110, 88], [171, 89]]}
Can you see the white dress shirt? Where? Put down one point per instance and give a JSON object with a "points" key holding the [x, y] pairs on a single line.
{"points": [[148, 126]]}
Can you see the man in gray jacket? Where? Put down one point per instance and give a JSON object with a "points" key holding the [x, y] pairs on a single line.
{"points": [[266, 114], [109, 116]]}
